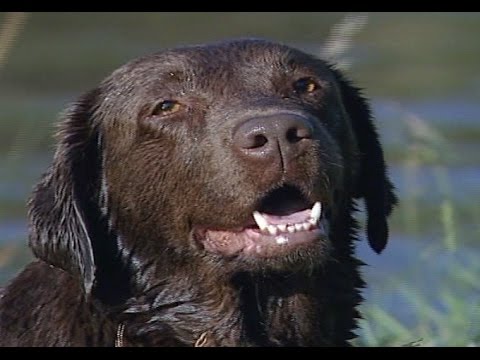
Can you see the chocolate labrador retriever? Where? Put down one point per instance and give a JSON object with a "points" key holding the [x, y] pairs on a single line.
{"points": [[204, 196]]}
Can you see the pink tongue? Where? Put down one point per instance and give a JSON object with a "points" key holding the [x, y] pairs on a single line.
{"points": [[296, 217]]}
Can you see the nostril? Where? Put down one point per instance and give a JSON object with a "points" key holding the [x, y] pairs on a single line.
{"points": [[259, 140], [295, 134], [250, 137]]}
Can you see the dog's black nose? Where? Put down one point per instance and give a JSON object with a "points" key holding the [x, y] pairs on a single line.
{"points": [[267, 139]]}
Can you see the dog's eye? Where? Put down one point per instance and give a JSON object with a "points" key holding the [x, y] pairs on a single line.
{"points": [[166, 107], [305, 86]]}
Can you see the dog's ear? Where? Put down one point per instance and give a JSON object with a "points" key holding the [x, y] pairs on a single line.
{"points": [[373, 183], [62, 204]]}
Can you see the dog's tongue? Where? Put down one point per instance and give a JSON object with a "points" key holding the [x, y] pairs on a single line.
{"points": [[293, 218]]}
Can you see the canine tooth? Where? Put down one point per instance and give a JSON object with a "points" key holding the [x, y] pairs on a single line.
{"points": [[316, 212], [298, 227], [281, 240], [282, 227], [312, 222], [260, 220], [272, 229], [291, 229]]}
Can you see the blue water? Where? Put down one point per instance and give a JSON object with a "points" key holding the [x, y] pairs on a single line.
{"points": [[412, 280], [12, 231]]}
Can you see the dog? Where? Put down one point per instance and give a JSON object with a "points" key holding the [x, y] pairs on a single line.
{"points": [[204, 196]]}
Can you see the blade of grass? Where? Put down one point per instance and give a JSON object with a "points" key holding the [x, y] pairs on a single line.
{"points": [[368, 335], [391, 324], [340, 39], [13, 24], [446, 207]]}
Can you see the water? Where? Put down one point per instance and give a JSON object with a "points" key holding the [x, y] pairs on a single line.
{"points": [[409, 267], [13, 231]]}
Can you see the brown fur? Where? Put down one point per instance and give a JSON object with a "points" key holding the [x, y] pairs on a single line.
{"points": [[112, 221]]}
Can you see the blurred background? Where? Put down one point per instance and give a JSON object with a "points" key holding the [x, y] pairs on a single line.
{"points": [[421, 71]]}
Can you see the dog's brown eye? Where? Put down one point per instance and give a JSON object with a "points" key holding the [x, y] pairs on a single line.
{"points": [[305, 86], [166, 107]]}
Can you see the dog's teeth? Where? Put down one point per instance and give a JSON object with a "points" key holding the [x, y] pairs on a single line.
{"points": [[316, 212], [306, 226], [272, 229], [298, 227], [282, 227], [291, 229], [260, 220], [281, 240]]}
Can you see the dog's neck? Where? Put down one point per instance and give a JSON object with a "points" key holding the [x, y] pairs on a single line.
{"points": [[274, 310]]}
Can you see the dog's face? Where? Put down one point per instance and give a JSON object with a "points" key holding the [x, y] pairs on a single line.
{"points": [[227, 149], [244, 153]]}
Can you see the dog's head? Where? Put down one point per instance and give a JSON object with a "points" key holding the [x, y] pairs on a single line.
{"points": [[245, 153]]}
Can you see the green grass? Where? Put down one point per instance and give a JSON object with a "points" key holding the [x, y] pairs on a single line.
{"points": [[457, 324]]}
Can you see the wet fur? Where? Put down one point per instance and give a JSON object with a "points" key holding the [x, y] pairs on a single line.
{"points": [[110, 220]]}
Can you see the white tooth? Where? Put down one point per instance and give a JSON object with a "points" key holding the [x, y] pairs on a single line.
{"points": [[291, 229], [282, 227], [316, 212], [260, 220], [272, 229], [306, 226], [281, 240], [298, 227], [312, 222]]}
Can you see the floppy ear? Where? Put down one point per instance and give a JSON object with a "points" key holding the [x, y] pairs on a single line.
{"points": [[373, 182], [63, 203]]}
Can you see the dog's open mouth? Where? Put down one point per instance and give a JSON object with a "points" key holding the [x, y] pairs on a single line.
{"points": [[284, 222]]}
